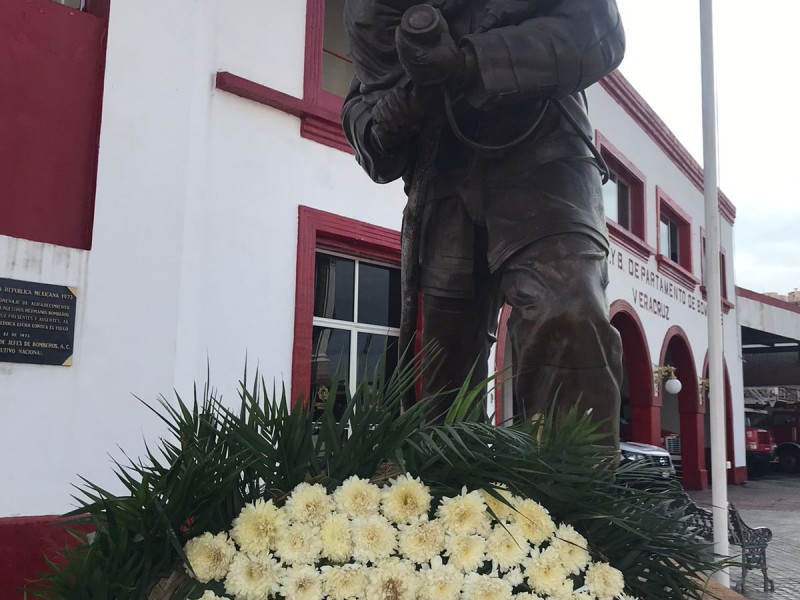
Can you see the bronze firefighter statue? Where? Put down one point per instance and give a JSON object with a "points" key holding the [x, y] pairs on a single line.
{"points": [[482, 101]]}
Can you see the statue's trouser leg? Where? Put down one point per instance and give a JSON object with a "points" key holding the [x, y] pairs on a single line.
{"points": [[564, 347], [463, 331]]}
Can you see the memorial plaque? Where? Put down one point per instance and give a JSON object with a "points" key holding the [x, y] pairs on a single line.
{"points": [[37, 322]]}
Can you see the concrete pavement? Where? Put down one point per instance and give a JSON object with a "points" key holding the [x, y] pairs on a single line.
{"points": [[772, 501]]}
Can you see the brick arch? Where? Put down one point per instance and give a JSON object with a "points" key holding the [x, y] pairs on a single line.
{"points": [[645, 406], [691, 411]]}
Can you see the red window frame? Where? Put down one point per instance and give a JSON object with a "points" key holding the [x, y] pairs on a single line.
{"points": [[634, 238], [680, 271], [727, 305], [320, 230]]}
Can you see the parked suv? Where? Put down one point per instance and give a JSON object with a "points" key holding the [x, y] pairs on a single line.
{"points": [[653, 455]]}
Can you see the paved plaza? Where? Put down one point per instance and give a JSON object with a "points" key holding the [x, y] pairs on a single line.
{"points": [[772, 501]]}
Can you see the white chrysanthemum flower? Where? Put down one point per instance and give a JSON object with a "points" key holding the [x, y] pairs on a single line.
{"points": [[392, 580], [604, 581], [309, 504], [421, 541], [485, 587], [502, 511], [572, 547], [374, 538], [302, 582], [545, 574], [337, 541], [581, 596], [347, 582], [464, 514], [209, 556], [627, 597], [253, 576], [441, 582], [534, 520], [527, 596], [209, 595], [299, 544], [514, 577], [507, 546], [405, 499], [465, 552], [357, 497], [257, 526]]}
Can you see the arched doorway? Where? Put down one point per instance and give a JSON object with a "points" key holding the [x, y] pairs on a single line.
{"points": [[640, 410], [683, 413]]}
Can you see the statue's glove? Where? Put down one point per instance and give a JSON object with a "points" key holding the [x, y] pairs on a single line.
{"points": [[429, 64], [396, 117]]}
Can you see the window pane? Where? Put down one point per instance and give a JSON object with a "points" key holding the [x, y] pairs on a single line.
{"points": [[624, 205], [372, 348], [337, 71], [674, 242], [610, 198], [664, 237], [334, 282], [330, 358], [378, 295]]}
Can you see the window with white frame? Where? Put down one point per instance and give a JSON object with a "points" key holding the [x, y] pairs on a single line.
{"points": [[355, 326]]}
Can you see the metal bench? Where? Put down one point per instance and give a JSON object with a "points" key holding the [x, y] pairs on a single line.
{"points": [[752, 540]]}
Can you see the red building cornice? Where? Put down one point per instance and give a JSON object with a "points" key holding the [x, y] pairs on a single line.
{"points": [[624, 94]]}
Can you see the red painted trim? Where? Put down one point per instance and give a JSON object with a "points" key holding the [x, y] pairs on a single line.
{"points": [[500, 365], [691, 412], [678, 272], [751, 295], [629, 241], [738, 475], [24, 544], [99, 8], [318, 123], [315, 33], [319, 229], [636, 181], [642, 113], [645, 406]]}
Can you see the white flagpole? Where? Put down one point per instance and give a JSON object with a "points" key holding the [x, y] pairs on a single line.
{"points": [[719, 479]]}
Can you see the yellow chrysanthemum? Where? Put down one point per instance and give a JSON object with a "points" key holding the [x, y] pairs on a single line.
{"points": [[347, 582], [299, 544], [545, 574], [485, 587], [441, 582], [604, 581], [357, 497], [336, 538], [464, 514], [465, 552], [257, 526], [502, 511], [572, 547], [405, 499], [534, 521], [253, 576], [392, 580], [507, 546], [302, 583], [209, 556], [374, 538], [421, 541], [309, 504]]}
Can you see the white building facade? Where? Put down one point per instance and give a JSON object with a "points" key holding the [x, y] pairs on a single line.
{"points": [[226, 202]]}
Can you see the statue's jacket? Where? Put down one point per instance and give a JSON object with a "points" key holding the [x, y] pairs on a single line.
{"points": [[545, 185]]}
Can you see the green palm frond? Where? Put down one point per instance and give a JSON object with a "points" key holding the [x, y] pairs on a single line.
{"points": [[215, 460]]}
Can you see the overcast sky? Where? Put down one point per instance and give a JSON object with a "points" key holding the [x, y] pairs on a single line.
{"points": [[757, 67]]}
